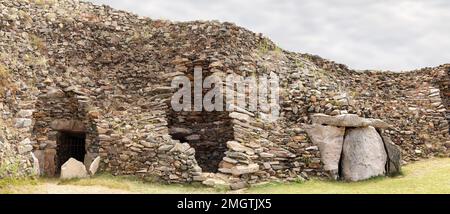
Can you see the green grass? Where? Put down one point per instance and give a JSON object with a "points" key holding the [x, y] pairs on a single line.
{"points": [[10, 185], [265, 46], [11, 168], [136, 185], [428, 176]]}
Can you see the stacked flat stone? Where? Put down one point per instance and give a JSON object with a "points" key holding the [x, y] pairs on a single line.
{"points": [[75, 64]]}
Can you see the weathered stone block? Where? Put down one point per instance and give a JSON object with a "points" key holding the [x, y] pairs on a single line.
{"points": [[364, 155], [330, 140], [348, 120], [93, 168], [68, 125], [23, 123], [394, 156], [73, 169], [25, 113], [236, 146], [49, 162]]}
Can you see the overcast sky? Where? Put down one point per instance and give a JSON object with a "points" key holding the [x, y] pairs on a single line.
{"points": [[364, 34]]}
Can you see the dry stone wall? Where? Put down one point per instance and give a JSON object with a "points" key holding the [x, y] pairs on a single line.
{"points": [[111, 71], [444, 86]]}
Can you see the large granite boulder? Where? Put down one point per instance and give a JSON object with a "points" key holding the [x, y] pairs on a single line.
{"points": [[364, 155], [73, 169], [329, 139], [348, 120], [393, 165]]}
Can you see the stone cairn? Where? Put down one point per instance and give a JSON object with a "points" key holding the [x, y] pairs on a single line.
{"points": [[69, 65]]}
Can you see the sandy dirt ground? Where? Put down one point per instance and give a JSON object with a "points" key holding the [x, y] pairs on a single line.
{"points": [[51, 188]]}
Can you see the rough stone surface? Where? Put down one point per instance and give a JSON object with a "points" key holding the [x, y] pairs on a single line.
{"points": [[214, 182], [49, 162], [25, 113], [237, 147], [25, 149], [330, 140], [36, 165], [23, 122], [240, 170], [112, 71], [239, 185], [40, 156], [347, 120], [394, 153], [68, 125], [88, 159], [93, 168], [73, 169], [364, 155]]}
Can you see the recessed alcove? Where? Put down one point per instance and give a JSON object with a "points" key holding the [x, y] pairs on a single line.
{"points": [[206, 132], [70, 145]]}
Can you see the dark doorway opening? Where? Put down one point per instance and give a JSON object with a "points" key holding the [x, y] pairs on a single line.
{"points": [[70, 145], [206, 132]]}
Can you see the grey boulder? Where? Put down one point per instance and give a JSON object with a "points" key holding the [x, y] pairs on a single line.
{"points": [[329, 139], [364, 155], [73, 169]]}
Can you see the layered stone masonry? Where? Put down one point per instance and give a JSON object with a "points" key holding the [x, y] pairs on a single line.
{"points": [[112, 71]]}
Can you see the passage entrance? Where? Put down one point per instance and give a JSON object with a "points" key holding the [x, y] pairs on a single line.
{"points": [[70, 145]]}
